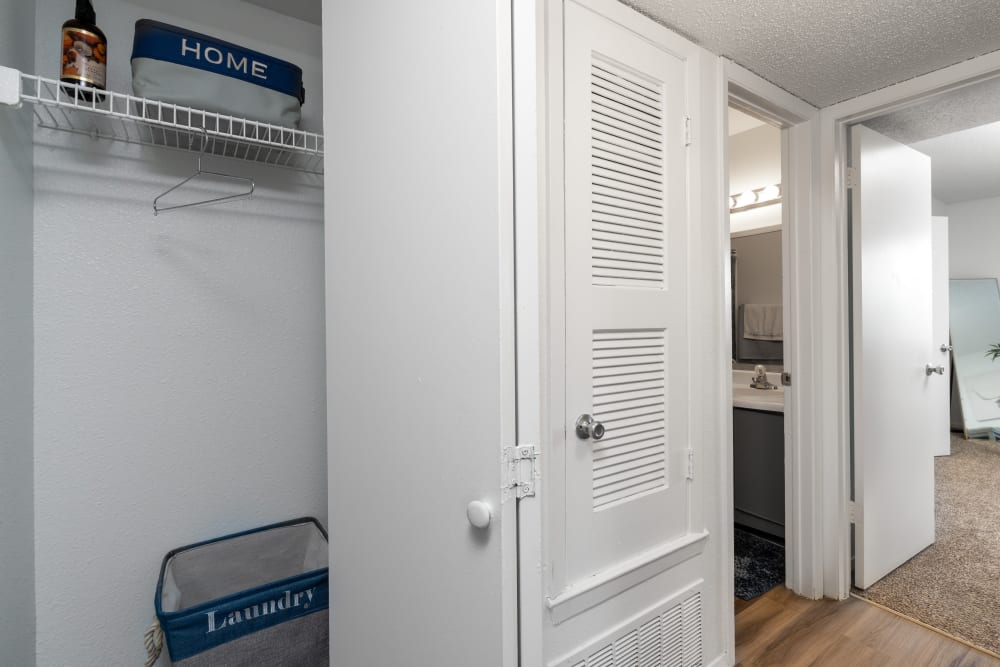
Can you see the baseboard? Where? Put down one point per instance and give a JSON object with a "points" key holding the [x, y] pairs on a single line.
{"points": [[720, 661]]}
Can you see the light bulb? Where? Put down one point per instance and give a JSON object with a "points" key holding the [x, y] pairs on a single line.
{"points": [[769, 193], [747, 198]]}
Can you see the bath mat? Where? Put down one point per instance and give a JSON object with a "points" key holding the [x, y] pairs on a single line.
{"points": [[760, 564]]}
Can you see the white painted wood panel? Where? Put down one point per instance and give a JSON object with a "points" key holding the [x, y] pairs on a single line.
{"points": [[420, 319], [893, 342], [626, 281]]}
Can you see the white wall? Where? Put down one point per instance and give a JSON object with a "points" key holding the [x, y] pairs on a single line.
{"points": [[973, 238], [179, 360], [755, 162], [17, 617]]}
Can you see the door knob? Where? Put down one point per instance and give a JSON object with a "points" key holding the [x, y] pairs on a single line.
{"points": [[480, 514], [946, 348], [934, 369], [587, 427]]}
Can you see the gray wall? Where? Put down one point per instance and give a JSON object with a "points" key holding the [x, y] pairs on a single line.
{"points": [[17, 610], [179, 360], [759, 268]]}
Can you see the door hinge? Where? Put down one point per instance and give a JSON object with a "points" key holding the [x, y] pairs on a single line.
{"points": [[852, 177], [853, 512], [521, 473], [786, 378], [687, 130], [690, 463]]}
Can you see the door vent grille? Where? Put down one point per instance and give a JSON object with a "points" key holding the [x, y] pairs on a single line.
{"points": [[627, 178], [630, 399], [671, 639]]}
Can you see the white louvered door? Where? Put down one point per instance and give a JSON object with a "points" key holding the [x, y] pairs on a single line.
{"points": [[626, 306]]}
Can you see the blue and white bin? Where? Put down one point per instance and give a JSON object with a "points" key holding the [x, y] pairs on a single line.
{"points": [[183, 67], [260, 597]]}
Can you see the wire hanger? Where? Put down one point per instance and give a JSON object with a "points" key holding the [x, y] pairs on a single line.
{"points": [[157, 209]]}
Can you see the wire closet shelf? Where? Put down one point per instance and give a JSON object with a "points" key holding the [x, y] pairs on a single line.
{"points": [[136, 120]]}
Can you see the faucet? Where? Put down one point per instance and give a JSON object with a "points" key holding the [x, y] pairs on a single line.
{"points": [[760, 380]]}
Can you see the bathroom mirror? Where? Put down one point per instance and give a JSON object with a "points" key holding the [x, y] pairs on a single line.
{"points": [[756, 297], [974, 317]]}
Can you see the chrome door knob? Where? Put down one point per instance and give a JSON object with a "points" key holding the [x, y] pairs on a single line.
{"points": [[587, 427], [934, 369]]}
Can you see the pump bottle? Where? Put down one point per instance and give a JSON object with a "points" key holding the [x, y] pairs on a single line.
{"points": [[84, 51]]}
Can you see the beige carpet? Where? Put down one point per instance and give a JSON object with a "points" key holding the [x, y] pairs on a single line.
{"points": [[954, 585]]}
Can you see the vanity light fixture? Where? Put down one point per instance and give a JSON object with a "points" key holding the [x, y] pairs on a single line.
{"points": [[751, 199]]}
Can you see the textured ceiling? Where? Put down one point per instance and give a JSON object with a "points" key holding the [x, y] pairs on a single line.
{"points": [[960, 131], [827, 51], [965, 108], [305, 10]]}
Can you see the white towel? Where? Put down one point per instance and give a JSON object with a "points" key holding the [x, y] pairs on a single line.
{"points": [[762, 321]]}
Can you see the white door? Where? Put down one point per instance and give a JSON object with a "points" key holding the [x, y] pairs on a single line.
{"points": [[420, 321], [626, 231], [627, 574], [893, 344], [941, 354]]}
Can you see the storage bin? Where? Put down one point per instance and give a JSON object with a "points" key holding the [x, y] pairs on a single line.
{"points": [[182, 67], [260, 597]]}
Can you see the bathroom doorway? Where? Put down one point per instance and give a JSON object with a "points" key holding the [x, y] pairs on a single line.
{"points": [[757, 333]]}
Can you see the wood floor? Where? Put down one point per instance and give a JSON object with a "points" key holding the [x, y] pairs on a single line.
{"points": [[780, 628]]}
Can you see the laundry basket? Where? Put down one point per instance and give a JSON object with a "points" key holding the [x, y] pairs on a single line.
{"points": [[260, 597]]}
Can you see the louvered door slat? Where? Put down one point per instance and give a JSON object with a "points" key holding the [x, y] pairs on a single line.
{"points": [[610, 206], [638, 86], [634, 467], [628, 257], [629, 399], [615, 204], [623, 494], [639, 429], [627, 396], [633, 186], [650, 231], [642, 415], [603, 90], [618, 153], [620, 195], [626, 140], [637, 446], [626, 129], [605, 164]]}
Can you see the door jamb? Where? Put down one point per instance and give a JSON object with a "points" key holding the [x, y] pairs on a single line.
{"points": [[799, 123], [829, 259]]}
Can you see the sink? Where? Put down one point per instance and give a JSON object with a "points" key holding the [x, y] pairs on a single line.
{"points": [[769, 400]]}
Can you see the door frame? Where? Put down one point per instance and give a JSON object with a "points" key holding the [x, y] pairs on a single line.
{"points": [[829, 258], [799, 122]]}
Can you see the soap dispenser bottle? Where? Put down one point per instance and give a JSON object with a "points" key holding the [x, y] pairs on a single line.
{"points": [[84, 51]]}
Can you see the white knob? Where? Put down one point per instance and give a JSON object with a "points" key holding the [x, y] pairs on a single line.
{"points": [[480, 514]]}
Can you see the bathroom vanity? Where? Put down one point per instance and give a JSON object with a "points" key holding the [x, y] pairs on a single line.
{"points": [[759, 455]]}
